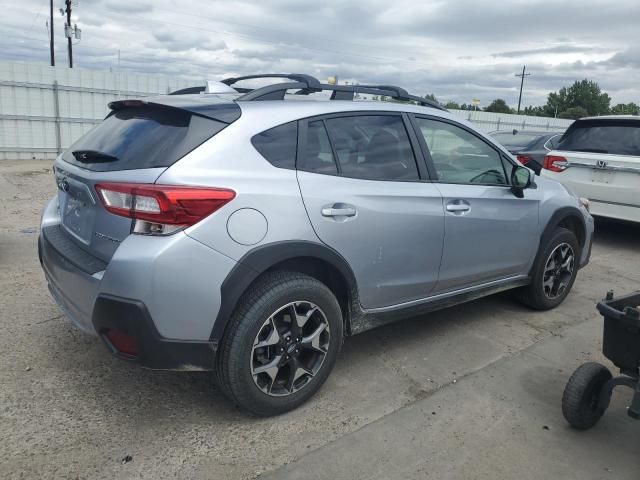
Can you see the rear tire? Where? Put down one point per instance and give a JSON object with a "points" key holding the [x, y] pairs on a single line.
{"points": [[551, 280], [580, 399], [267, 363]]}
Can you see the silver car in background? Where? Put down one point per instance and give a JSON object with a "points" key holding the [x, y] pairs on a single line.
{"points": [[248, 231]]}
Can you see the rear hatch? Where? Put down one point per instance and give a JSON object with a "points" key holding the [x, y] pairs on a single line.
{"points": [[135, 143], [600, 159]]}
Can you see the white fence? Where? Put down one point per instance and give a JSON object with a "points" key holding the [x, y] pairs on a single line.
{"points": [[44, 109], [490, 121]]}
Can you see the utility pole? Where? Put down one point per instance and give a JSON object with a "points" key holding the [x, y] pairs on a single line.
{"points": [[521, 75], [53, 58], [67, 32]]}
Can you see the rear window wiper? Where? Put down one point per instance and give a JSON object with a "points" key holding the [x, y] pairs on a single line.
{"points": [[93, 156]]}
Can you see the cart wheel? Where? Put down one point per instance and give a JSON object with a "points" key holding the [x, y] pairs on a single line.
{"points": [[580, 398]]}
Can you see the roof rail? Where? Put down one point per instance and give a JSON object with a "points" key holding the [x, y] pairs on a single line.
{"points": [[311, 83], [306, 84], [386, 90]]}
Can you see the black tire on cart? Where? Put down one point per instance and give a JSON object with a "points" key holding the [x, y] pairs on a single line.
{"points": [[580, 399]]}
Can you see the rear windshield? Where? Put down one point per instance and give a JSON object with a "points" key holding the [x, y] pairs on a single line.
{"points": [[141, 137], [619, 138], [518, 140]]}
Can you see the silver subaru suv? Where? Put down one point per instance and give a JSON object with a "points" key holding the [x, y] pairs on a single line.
{"points": [[248, 231]]}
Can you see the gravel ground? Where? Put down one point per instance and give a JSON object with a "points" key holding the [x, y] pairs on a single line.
{"points": [[70, 410]]}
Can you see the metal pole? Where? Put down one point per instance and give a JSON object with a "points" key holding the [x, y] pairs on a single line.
{"points": [[522, 75], [56, 112], [67, 30], [51, 51]]}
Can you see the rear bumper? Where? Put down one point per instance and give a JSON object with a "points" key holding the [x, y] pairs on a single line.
{"points": [[618, 211], [132, 318], [72, 289], [164, 291], [77, 294]]}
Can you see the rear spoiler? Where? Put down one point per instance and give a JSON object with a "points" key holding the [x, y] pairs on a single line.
{"points": [[224, 111]]}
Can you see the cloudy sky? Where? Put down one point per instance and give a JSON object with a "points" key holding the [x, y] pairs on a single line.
{"points": [[457, 49]]}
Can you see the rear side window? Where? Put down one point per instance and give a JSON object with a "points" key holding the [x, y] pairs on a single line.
{"points": [[373, 147], [141, 137], [278, 145], [619, 138], [317, 156]]}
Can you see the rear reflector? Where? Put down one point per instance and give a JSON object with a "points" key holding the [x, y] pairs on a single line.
{"points": [[555, 163], [162, 204], [123, 342]]}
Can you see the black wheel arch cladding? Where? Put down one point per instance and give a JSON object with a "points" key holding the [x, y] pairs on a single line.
{"points": [[259, 260], [566, 217], [560, 218]]}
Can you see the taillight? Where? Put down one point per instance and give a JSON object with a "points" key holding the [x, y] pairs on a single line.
{"points": [[523, 159], [555, 163], [161, 209]]}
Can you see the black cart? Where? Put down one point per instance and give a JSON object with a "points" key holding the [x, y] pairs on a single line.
{"points": [[588, 391]]}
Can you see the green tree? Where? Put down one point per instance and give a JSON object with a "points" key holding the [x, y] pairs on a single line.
{"points": [[626, 109], [431, 96], [452, 105], [574, 112], [499, 106], [585, 94], [535, 111]]}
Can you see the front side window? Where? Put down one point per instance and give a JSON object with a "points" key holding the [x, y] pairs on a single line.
{"points": [[373, 147], [459, 156]]}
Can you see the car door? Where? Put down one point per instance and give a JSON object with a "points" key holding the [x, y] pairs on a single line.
{"points": [[367, 197], [490, 234]]}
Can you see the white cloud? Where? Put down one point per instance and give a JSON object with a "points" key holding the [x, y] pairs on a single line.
{"points": [[458, 50]]}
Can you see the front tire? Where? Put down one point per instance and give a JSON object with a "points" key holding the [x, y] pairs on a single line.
{"points": [[553, 272], [281, 343]]}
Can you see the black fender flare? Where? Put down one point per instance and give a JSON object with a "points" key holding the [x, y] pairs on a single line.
{"points": [[260, 259], [555, 220]]}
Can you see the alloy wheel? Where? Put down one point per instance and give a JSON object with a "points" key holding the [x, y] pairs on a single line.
{"points": [[289, 349], [558, 271]]}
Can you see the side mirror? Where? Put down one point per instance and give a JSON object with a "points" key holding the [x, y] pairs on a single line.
{"points": [[520, 179]]}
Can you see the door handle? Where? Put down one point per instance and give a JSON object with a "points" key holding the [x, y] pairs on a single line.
{"points": [[338, 212], [453, 207]]}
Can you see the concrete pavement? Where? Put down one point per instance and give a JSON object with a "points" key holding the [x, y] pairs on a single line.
{"points": [[69, 410]]}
